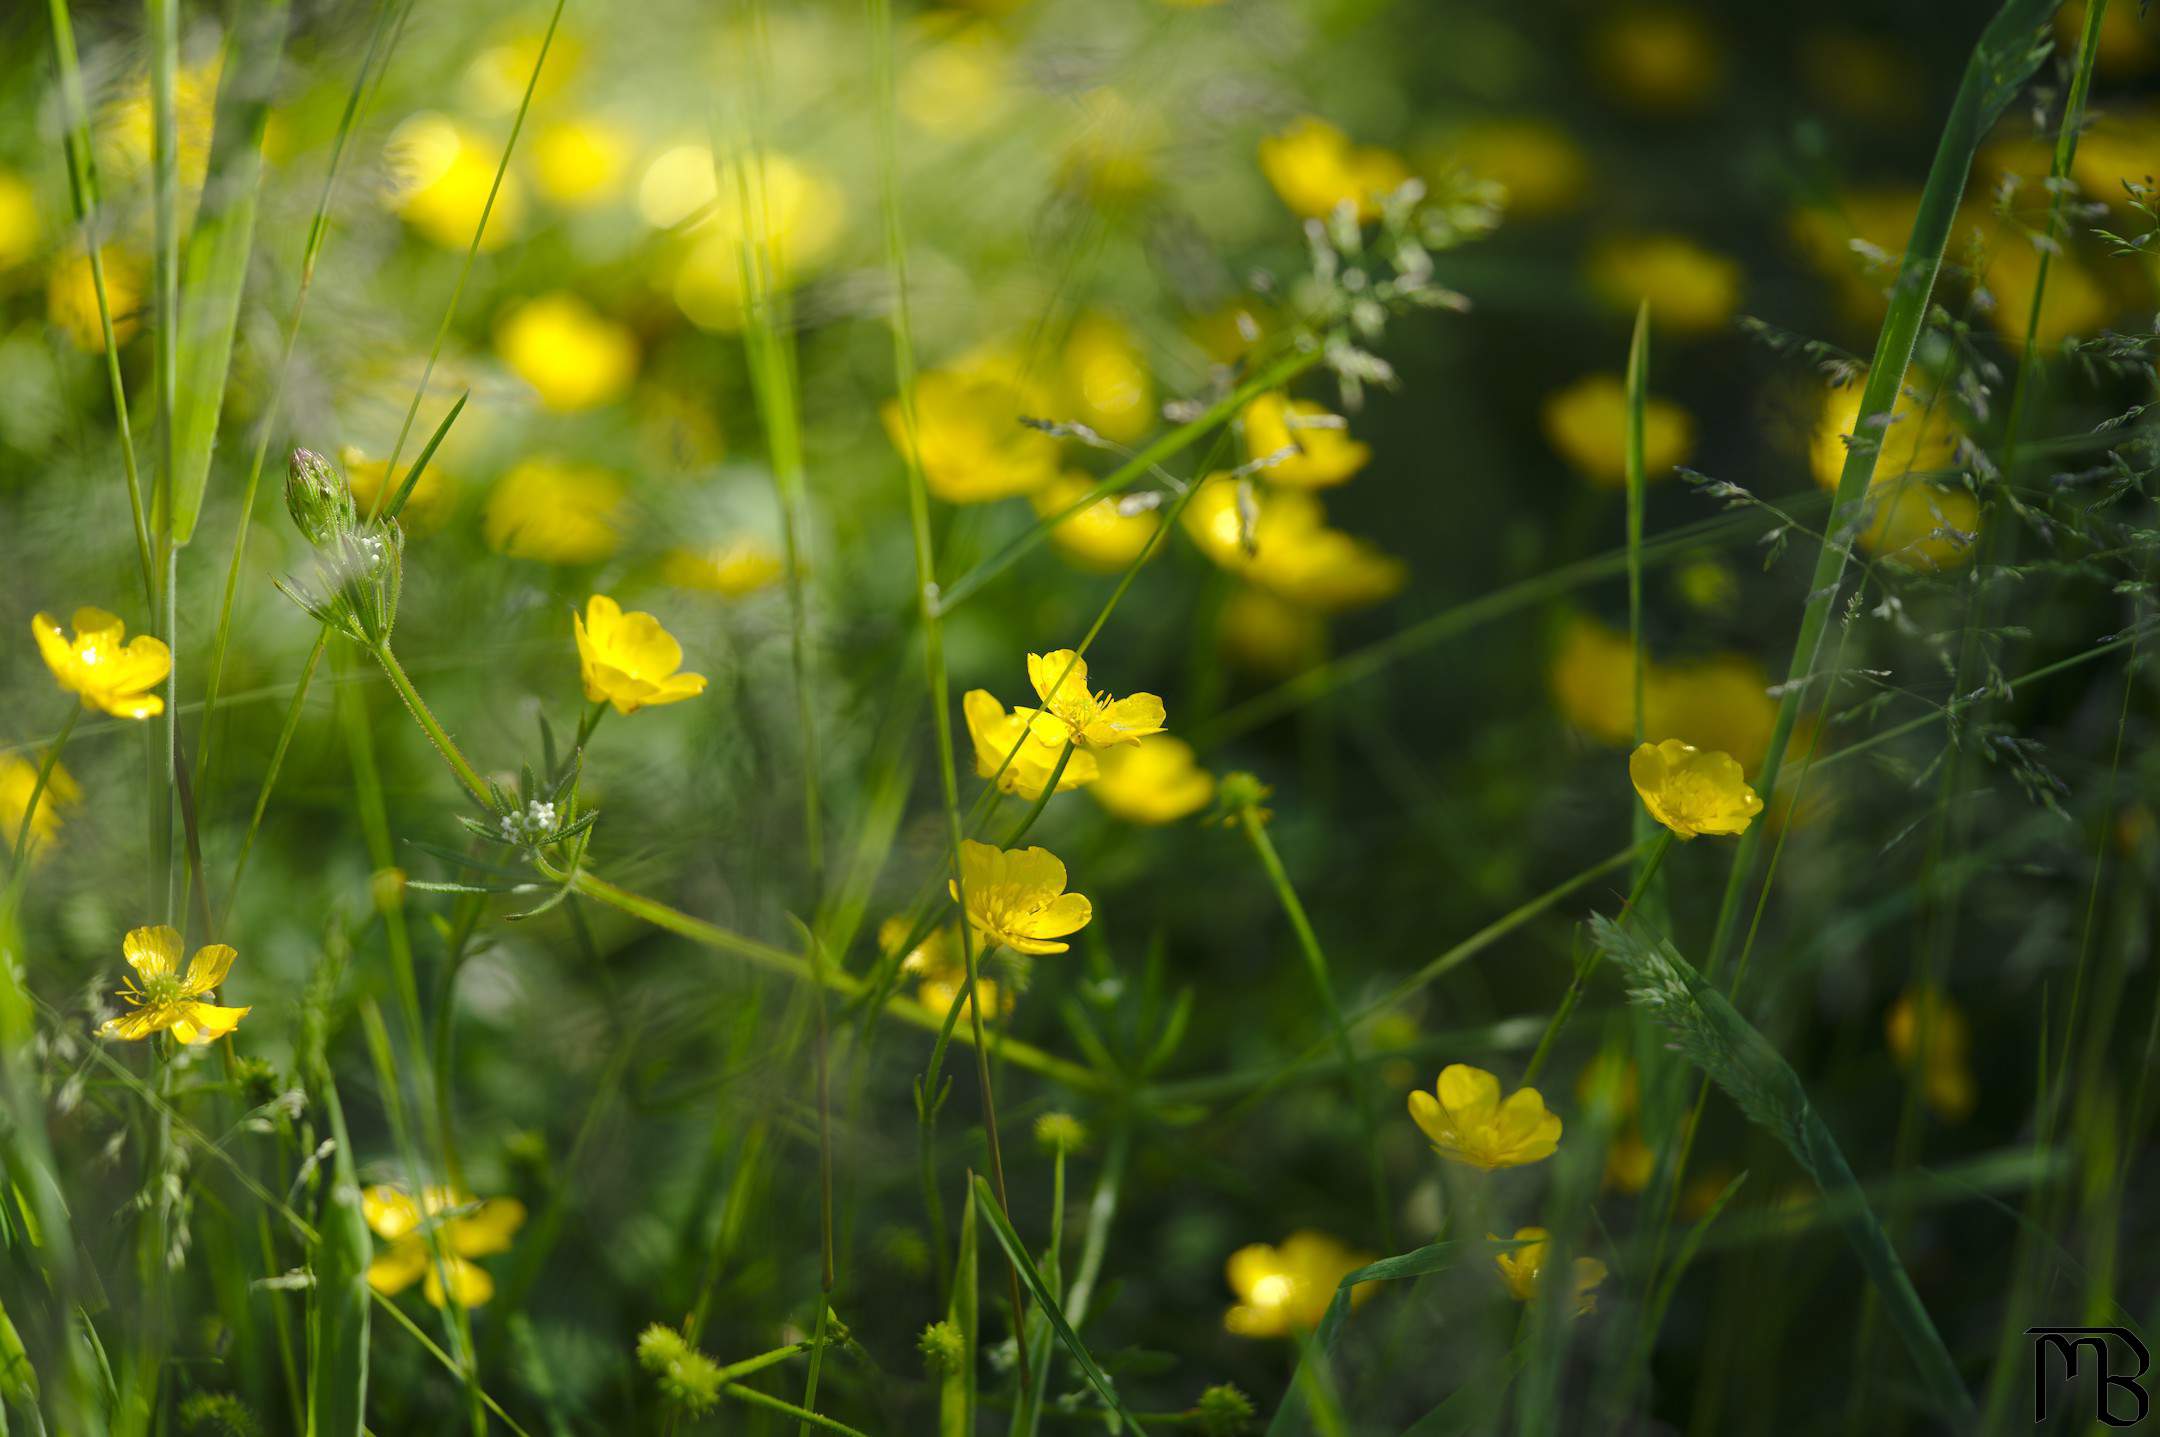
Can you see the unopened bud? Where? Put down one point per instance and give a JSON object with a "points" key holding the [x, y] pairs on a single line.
{"points": [[319, 501]]}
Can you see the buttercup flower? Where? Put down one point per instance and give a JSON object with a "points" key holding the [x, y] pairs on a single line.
{"points": [[467, 1230], [557, 512], [425, 508], [165, 998], [1468, 1123], [1691, 791], [971, 443], [1018, 898], [1659, 59], [1314, 167], [1321, 449], [1540, 165], [1691, 290], [442, 175], [1294, 555], [18, 221], [1947, 1079], [1587, 423], [1286, 1289], [628, 660], [71, 298], [18, 778], [1096, 720], [941, 971], [1153, 781], [1521, 1266], [737, 567], [107, 673], [573, 357], [794, 215], [1107, 386], [578, 163], [1041, 739], [1265, 632], [1101, 536]]}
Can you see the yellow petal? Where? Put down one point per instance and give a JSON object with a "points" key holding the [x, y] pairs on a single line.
{"points": [[199, 1023], [397, 1269], [1069, 913], [468, 1283], [140, 1024], [95, 625], [487, 1229], [208, 968], [154, 952], [390, 1211], [1470, 1095], [1044, 671]]}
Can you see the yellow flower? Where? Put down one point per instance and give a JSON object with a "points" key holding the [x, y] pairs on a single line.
{"points": [[71, 298], [1630, 1162], [628, 660], [1707, 585], [1268, 634], [18, 777], [1910, 515], [1107, 385], [466, 1229], [1947, 1082], [1101, 536], [163, 997], [1539, 164], [1846, 238], [1592, 678], [1720, 704], [971, 443], [1587, 423], [1018, 898], [1314, 167], [1321, 449], [1228, 332], [93, 662], [1041, 739], [2118, 146], [1112, 158], [125, 130], [959, 83], [793, 217], [442, 174], [1468, 1123], [740, 566], [573, 357], [1096, 720], [1520, 1268], [554, 511], [941, 971], [1294, 555], [1287, 1289], [1693, 792], [2075, 302], [1690, 289], [1659, 60], [1153, 781], [1610, 1084], [2129, 39], [579, 163], [18, 221], [425, 508]]}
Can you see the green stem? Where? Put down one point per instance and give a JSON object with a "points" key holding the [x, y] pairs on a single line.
{"points": [[437, 734], [1588, 964]]}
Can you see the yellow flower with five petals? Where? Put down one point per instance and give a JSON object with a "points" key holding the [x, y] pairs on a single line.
{"points": [[1021, 749], [1287, 1288], [165, 998], [1320, 449], [107, 673], [1693, 791], [1017, 898], [1468, 1122], [628, 660], [1096, 720], [467, 1230], [1520, 1268], [1153, 781]]}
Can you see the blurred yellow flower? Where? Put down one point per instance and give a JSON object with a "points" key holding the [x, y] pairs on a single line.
{"points": [[1707, 585], [1691, 791], [797, 212], [628, 660], [1691, 290], [1101, 536], [425, 508], [1592, 677], [18, 778], [1097, 721], [572, 356], [1293, 554], [163, 997], [19, 226], [1587, 423], [971, 444], [1468, 1123], [465, 1228], [2074, 304], [1947, 1079], [1286, 1290], [1112, 159], [1539, 164], [105, 672], [1520, 1268], [1719, 704], [1154, 781], [1855, 241], [497, 76], [554, 511], [1017, 898], [1321, 451], [1267, 634], [2119, 145], [71, 301], [2129, 37], [1314, 167], [580, 163], [1630, 1162], [441, 176], [941, 971], [125, 131], [1609, 1083], [1660, 60], [958, 83], [1106, 380], [737, 567], [1040, 740], [1911, 517], [1228, 332]]}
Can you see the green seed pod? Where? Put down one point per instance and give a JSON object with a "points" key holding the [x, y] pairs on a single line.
{"points": [[318, 498]]}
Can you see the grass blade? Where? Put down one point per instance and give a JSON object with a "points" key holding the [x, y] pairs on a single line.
{"points": [[396, 505], [1432, 1257], [338, 1302]]}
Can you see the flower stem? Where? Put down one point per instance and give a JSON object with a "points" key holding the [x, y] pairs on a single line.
{"points": [[444, 744]]}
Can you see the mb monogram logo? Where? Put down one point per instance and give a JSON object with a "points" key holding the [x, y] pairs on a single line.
{"points": [[2108, 1383]]}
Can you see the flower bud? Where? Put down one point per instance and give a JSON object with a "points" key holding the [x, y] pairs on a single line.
{"points": [[320, 502]]}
